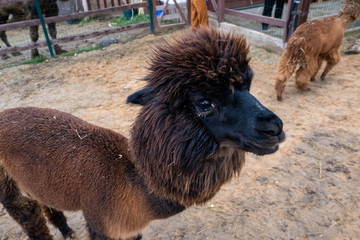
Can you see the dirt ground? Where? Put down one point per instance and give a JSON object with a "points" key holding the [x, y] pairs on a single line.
{"points": [[309, 189]]}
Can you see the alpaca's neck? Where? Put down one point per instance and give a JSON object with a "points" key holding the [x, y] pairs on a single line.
{"points": [[177, 157], [194, 185], [349, 12], [159, 206], [346, 20]]}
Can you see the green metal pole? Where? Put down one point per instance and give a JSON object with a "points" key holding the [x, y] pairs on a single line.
{"points": [[38, 9], [151, 13]]}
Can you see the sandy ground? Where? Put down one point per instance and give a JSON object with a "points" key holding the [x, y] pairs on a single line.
{"points": [[309, 189]]}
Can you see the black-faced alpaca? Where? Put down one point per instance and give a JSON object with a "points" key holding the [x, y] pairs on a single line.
{"points": [[312, 43], [28, 10], [184, 146]]}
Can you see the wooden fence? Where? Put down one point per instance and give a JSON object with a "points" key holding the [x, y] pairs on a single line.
{"points": [[62, 18], [289, 24], [93, 8]]}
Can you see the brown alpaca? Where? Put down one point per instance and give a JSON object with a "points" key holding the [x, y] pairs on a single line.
{"points": [[184, 146], [312, 43]]}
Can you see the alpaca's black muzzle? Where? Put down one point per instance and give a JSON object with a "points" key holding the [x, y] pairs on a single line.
{"points": [[264, 129]]}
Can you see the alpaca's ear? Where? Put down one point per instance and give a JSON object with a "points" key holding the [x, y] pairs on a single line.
{"points": [[141, 97]]}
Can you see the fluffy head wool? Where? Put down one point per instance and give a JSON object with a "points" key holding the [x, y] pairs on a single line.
{"points": [[350, 8], [204, 57]]}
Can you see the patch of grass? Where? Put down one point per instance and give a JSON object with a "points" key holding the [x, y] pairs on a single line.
{"points": [[352, 32], [41, 58], [121, 21], [72, 53], [267, 50], [171, 21], [85, 20], [38, 59]]}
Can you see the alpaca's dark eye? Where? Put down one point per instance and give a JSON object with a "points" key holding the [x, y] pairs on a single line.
{"points": [[204, 107]]}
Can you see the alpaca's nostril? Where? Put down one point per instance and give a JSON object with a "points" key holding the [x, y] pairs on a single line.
{"points": [[269, 125], [270, 129], [271, 132]]}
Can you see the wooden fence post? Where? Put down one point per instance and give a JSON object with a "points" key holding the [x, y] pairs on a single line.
{"points": [[188, 7], [288, 21], [221, 9], [298, 11], [304, 11], [153, 4]]}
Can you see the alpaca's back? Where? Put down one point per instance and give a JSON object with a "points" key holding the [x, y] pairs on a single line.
{"points": [[52, 155], [319, 36], [310, 40]]}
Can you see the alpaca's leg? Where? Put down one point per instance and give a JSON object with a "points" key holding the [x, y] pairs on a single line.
{"points": [[285, 71], [332, 58], [98, 236], [4, 56], [304, 74], [4, 39], [25, 211], [34, 35], [52, 31], [302, 79], [138, 237], [3, 19], [58, 219], [280, 86], [52, 10], [320, 60]]}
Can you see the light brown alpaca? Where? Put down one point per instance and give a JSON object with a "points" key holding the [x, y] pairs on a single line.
{"points": [[312, 43], [185, 144]]}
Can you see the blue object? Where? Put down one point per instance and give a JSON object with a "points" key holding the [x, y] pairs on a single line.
{"points": [[158, 13]]}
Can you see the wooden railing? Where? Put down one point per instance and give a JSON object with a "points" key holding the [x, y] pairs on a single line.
{"points": [[297, 18], [62, 18]]}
